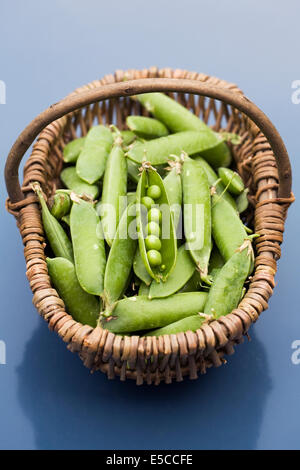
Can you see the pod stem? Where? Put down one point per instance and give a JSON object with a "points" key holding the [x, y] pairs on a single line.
{"points": [[231, 137], [175, 163], [146, 166]]}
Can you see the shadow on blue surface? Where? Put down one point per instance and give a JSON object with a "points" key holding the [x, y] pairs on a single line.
{"points": [[69, 408]]}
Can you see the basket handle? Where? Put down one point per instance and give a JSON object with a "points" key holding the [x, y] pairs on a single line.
{"points": [[134, 87]]}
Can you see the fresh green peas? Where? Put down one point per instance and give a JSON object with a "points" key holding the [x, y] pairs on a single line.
{"points": [[231, 180], [147, 202], [84, 307], [139, 313], [197, 215], [146, 127], [154, 257], [154, 215], [57, 237], [72, 181], [192, 323], [91, 162], [173, 187], [152, 243], [153, 229], [154, 191], [88, 244], [157, 151], [72, 150], [60, 204], [114, 191]]}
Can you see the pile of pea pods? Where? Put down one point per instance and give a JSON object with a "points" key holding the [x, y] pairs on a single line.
{"points": [[146, 236]]}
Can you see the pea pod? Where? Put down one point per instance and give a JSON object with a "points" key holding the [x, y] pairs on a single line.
{"points": [[231, 180], [183, 271], [144, 289], [57, 237], [60, 204], [66, 219], [151, 179], [173, 187], [114, 191], [227, 228], [197, 215], [193, 283], [177, 118], [216, 263], [72, 150], [131, 197], [128, 137], [91, 162], [140, 313], [242, 201], [120, 258], [133, 171], [72, 181], [88, 244], [226, 291], [192, 323], [157, 151], [84, 307], [146, 127], [140, 270], [214, 181]]}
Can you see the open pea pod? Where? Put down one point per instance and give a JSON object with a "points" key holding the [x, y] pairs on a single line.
{"points": [[166, 235]]}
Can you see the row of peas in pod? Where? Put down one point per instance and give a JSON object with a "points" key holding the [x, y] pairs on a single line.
{"points": [[145, 235]]}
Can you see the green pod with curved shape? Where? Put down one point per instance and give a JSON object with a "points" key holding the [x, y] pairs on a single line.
{"points": [[139, 313], [72, 181], [182, 272], [56, 236], [128, 137], [133, 171], [231, 180], [214, 181], [114, 191], [88, 245], [149, 178], [242, 201], [192, 323], [177, 118], [72, 150], [145, 127], [91, 162], [120, 258], [197, 215], [193, 284], [157, 151], [226, 291], [227, 228], [83, 307], [173, 187], [140, 270]]}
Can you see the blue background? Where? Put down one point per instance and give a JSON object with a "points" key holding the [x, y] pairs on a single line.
{"points": [[47, 398]]}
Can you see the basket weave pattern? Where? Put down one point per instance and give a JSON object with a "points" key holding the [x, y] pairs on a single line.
{"points": [[150, 359]]}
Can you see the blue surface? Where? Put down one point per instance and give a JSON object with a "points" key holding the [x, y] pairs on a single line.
{"points": [[47, 398]]}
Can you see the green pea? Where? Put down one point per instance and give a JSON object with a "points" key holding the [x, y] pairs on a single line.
{"points": [[120, 258], [114, 191], [152, 243], [157, 151], [242, 201], [227, 228], [153, 229], [148, 178], [56, 236], [146, 127], [140, 313], [173, 187], [232, 180], [225, 293], [60, 204], [140, 270], [88, 244], [91, 162], [83, 307], [154, 191], [154, 215], [72, 150], [183, 271], [177, 118], [197, 215], [154, 258], [214, 181], [147, 202], [72, 181], [192, 323]]}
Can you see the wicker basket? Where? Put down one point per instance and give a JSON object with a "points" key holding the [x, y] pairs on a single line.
{"points": [[261, 160]]}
